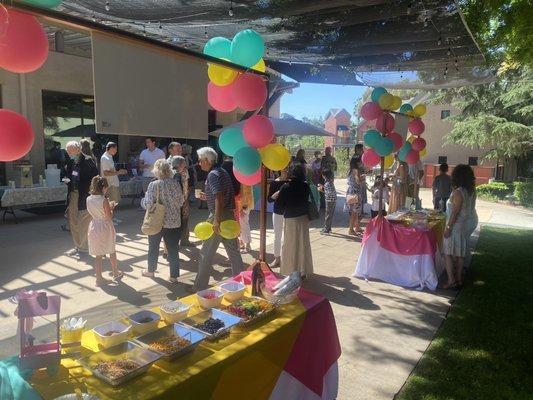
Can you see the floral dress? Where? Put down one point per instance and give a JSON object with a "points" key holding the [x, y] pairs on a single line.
{"points": [[354, 188]]}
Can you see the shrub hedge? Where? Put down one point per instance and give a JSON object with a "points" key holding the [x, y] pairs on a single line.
{"points": [[523, 191], [494, 190]]}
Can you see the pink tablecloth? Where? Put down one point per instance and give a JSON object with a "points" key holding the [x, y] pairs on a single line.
{"points": [[399, 255]]}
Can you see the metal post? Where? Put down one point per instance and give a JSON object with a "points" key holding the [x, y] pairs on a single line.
{"points": [[382, 173], [263, 207]]}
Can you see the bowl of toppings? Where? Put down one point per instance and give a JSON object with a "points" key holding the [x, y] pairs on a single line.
{"points": [[172, 340], [250, 309], [209, 298], [174, 311], [214, 323], [144, 321], [111, 333], [233, 291]]}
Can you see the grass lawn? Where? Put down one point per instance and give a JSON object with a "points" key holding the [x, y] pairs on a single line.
{"points": [[484, 349]]}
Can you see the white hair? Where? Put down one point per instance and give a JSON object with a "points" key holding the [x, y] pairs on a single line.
{"points": [[209, 153], [177, 161], [162, 169], [73, 145]]}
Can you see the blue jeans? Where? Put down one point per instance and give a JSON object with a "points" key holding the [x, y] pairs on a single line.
{"points": [[171, 236]]}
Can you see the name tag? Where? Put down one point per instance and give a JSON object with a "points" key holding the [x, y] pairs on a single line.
{"points": [[74, 173]]}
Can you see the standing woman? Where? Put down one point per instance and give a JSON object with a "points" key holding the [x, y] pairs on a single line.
{"points": [[168, 191], [459, 210], [277, 214], [354, 202], [181, 174], [293, 199], [400, 178]]}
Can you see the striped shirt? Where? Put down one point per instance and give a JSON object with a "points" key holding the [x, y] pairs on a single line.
{"points": [[218, 180]]}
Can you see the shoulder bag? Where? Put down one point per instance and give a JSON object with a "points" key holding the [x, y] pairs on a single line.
{"points": [[154, 216]]}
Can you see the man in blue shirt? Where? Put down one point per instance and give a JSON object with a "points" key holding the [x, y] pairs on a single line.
{"points": [[220, 197]]}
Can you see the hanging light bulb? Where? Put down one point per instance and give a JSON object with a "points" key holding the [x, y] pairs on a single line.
{"points": [[409, 8], [160, 28], [205, 32], [439, 42], [107, 7], [230, 11], [449, 52], [93, 18]]}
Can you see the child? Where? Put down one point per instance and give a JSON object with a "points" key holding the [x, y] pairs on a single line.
{"points": [[330, 195], [101, 229], [246, 203], [375, 196]]}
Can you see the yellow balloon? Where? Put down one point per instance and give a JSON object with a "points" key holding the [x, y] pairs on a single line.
{"points": [[203, 230], [396, 102], [221, 76], [419, 110], [389, 160], [385, 101], [229, 229], [275, 156], [410, 114], [423, 152], [260, 66]]}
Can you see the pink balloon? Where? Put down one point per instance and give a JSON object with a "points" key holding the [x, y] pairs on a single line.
{"points": [[221, 97], [397, 140], [370, 158], [385, 123], [418, 144], [371, 110], [416, 127], [249, 91], [249, 180], [16, 135], [258, 131], [412, 157], [24, 46]]}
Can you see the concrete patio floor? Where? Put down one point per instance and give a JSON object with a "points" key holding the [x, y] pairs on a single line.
{"points": [[383, 329]]}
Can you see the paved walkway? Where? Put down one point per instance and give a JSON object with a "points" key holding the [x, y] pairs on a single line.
{"points": [[383, 329]]}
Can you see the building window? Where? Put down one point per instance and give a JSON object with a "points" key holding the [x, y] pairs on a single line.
{"points": [[444, 114], [443, 159], [472, 161]]}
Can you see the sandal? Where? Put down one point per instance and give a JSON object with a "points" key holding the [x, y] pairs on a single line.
{"points": [[147, 274], [103, 282], [451, 285], [118, 276]]}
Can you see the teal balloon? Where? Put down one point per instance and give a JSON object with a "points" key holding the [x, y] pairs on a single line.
{"points": [[405, 108], [406, 148], [384, 147], [44, 3], [231, 140], [218, 47], [371, 138], [247, 160], [247, 48], [377, 92]]}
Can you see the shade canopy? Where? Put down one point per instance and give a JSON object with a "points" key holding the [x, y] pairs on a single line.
{"points": [[77, 131], [401, 43], [285, 127]]}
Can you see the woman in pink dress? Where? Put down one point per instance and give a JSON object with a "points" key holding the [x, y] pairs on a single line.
{"points": [[102, 233]]}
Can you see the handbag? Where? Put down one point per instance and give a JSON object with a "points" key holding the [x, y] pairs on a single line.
{"points": [[352, 199], [312, 210], [154, 217]]}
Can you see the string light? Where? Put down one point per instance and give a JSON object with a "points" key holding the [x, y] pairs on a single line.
{"points": [[230, 11], [439, 42], [449, 52], [160, 27], [409, 8], [94, 18], [205, 32], [107, 7]]}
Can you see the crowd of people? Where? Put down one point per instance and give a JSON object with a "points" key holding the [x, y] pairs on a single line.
{"points": [[297, 194]]}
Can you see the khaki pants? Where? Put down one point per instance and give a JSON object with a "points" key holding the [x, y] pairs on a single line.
{"points": [[114, 194], [79, 222]]}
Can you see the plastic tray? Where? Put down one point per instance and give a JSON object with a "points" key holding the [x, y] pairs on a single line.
{"points": [[194, 335], [258, 317], [229, 320]]}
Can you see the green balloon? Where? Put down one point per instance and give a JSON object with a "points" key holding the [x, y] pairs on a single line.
{"points": [[384, 147], [218, 47], [247, 160], [405, 108], [371, 138], [44, 3], [231, 140], [247, 48], [377, 92]]}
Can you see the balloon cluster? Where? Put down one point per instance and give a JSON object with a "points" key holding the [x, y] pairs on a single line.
{"points": [[383, 141], [229, 89], [229, 229]]}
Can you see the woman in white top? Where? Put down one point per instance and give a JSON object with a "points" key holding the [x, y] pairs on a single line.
{"points": [[459, 210], [101, 234]]}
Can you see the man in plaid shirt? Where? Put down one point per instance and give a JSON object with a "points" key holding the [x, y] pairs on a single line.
{"points": [[330, 196]]}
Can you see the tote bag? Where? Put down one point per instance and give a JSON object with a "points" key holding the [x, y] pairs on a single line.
{"points": [[312, 211], [154, 217]]}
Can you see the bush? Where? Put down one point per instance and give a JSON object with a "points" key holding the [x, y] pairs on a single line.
{"points": [[494, 191], [523, 191]]}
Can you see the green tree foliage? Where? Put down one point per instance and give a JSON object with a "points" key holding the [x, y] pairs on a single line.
{"points": [[306, 142], [497, 115], [502, 28]]}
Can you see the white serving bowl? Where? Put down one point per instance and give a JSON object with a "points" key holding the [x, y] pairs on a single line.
{"points": [[109, 341], [140, 328], [233, 291], [174, 311], [209, 303]]}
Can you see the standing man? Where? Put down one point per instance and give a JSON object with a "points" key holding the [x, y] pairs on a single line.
{"points": [[147, 160], [174, 149], [220, 199], [328, 161], [107, 170], [80, 171], [356, 155]]}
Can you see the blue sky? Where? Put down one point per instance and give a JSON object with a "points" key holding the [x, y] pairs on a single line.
{"points": [[315, 100]]}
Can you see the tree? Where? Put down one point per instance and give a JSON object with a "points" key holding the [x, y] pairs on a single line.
{"points": [[306, 142], [496, 115]]}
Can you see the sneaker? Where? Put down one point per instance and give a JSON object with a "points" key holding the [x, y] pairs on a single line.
{"points": [[73, 252], [324, 232], [173, 280]]}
